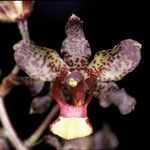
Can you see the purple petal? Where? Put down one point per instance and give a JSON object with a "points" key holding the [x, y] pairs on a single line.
{"points": [[38, 62], [75, 47], [40, 104], [114, 64], [109, 93]]}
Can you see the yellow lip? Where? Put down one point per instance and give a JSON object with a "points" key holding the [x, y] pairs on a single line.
{"points": [[71, 128]]}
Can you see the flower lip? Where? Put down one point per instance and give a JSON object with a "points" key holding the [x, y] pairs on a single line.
{"points": [[73, 111], [73, 121], [71, 128]]}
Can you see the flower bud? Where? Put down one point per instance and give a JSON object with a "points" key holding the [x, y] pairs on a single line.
{"points": [[125, 102], [40, 104], [104, 139], [35, 86], [52, 140], [81, 144], [109, 93]]}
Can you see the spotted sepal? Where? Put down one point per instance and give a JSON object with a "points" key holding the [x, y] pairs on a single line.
{"points": [[39, 62], [114, 64], [75, 48]]}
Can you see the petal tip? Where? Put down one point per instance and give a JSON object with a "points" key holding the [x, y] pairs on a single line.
{"points": [[74, 17]]}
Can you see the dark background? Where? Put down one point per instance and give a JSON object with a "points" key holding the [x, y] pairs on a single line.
{"points": [[105, 24]]}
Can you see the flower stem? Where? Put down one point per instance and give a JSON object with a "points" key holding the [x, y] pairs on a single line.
{"points": [[2, 132], [38, 132], [23, 27], [11, 135], [7, 84], [15, 70]]}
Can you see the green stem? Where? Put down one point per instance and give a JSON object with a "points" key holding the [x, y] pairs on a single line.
{"points": [[9, 130], [38, 132]]}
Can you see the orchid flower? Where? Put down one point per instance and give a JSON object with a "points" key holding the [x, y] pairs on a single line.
{"points": [[17, 12], [76, 73], [13, 11]]}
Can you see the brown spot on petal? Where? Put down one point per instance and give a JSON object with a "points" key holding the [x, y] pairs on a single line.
{"points": [[38, 62], [75, 48], [114, 64]]}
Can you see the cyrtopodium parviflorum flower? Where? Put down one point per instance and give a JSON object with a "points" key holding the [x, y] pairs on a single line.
{"points": [[13, 11], [76, 73]]}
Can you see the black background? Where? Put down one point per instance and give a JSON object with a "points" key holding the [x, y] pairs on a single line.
{"points": [[105, 24]]}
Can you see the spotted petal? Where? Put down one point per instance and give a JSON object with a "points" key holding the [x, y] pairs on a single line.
{"points": [[75, 47], [114, 64], [39, 62]]}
